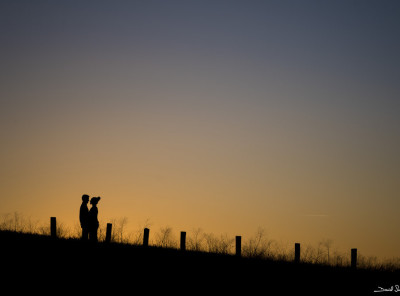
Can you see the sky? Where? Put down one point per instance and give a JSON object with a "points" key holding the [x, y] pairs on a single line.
{"points": [[223, 115]]}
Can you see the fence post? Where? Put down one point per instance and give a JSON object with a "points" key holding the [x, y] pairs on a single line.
{"points": [[146, 237], [238, 246], [354, 258], [297, 253], [53, 227], [108, 233], [183, 240]]}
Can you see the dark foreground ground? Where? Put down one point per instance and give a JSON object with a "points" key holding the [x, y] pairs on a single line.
{"points": [[39, 264]]}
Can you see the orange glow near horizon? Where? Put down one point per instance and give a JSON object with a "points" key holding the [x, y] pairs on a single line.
{"points": [[218, 179]]}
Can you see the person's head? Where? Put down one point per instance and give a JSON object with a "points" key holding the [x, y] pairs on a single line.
{"points": [[85, 198], [94, 200]]}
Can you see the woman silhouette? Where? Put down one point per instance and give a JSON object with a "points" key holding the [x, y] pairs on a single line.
{"points": [[93, 221]]}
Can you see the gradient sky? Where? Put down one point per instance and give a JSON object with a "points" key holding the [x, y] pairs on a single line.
{"points": [[224, 115]]}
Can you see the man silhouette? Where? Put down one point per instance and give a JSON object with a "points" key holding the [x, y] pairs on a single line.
{"points": [[84, 217]]}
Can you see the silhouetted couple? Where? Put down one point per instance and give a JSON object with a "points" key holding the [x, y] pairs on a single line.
{"points": [[88, 219]]}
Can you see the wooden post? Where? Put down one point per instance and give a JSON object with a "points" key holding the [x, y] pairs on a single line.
{"points": [[297, 253], [183, 240], [53, 227], [238, 246], [146, 237], [354, 258], [108, 233]]}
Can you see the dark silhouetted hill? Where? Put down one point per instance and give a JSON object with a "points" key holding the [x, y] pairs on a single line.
{"points": [[35, 263]]}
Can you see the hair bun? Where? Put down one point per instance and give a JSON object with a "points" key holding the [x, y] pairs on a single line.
{"points": [[95, 200]]}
